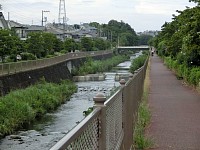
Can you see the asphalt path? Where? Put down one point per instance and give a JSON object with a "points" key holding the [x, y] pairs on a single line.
{"points": [[175, 110]]}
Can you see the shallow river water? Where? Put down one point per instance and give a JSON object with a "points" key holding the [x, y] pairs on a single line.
{"points": [[43, 134]]}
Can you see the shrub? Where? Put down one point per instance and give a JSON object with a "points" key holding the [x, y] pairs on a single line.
{"points": [[90, 66], [25, 105], [27, 56], [191, 75], [137, 63], [194, 76]]}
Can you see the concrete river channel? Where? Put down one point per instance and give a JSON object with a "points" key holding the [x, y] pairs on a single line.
{"points": [[43, 134]]}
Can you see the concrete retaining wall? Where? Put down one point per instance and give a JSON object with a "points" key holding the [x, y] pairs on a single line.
{"points": [[53, 73]]}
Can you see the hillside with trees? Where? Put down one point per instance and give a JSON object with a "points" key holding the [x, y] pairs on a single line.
{"points": [[118, 32]]}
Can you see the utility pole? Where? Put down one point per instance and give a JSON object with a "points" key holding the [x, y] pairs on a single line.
{"points": [[111, 39], [118, 41], [43, 16], [8, 16]]}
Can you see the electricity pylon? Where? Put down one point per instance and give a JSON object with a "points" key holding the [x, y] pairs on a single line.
{"points": [[62, 12]]}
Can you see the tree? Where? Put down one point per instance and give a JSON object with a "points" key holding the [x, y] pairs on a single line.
{"points": [[69, 45], [86, 44], [58, 45], [143, 39], [195, 1], [99, 44], [8, 44], [35, 44], [181, 37], [49, 44]]}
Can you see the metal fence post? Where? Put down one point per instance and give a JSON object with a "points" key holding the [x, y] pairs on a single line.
{"points": [[130, 76], [99, 100], [123, 83]]}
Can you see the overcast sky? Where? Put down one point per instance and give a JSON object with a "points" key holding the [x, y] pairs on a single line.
{"points": [[140, 14]]}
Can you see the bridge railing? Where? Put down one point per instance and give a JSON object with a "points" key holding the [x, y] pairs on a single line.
{"points": [[15, 67], [111, 124]]}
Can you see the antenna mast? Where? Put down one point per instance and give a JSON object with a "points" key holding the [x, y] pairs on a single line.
{"points": [[62, 12]]}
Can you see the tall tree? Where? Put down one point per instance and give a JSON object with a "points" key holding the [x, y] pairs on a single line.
{"points": [[49, 43], [8, 44], [86, 44], [35, 44], [69, 45]]}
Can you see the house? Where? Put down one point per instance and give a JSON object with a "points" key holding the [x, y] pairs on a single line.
{"points": [[3, 23], [34, 28], [59, 32], [19, 29]]}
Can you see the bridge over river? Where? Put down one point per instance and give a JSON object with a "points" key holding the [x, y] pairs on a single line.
{"points": [[123, 49]]}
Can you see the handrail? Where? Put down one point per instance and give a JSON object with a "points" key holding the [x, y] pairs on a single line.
{"points": [[77, 131], [111, 124]]}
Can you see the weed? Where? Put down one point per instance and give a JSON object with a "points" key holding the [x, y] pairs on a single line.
{"points": [[144, 116], [25, 105]]}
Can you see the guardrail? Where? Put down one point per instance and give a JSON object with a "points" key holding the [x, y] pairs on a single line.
{"points": [[110, 126], [12, 68]]}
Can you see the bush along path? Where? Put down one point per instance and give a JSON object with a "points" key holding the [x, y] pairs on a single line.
{"points": [[23, 106]]}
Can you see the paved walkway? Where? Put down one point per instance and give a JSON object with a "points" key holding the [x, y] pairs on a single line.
{"points": [[175, 110]]}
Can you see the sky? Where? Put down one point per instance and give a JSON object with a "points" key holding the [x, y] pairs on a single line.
{"points": [[142, 15]]}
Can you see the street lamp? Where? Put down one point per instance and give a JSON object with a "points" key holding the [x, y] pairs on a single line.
{"points": [[43, 15]]}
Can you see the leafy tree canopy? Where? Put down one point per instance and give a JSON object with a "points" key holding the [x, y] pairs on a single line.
{"points": [[118, 32], [182, 36]]}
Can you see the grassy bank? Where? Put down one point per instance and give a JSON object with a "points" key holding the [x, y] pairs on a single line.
{"points": [[91, 66], [144, 116], [23, 106]]}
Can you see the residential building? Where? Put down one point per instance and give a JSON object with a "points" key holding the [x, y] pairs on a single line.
{"points": [[19, 29], [3, 23]]}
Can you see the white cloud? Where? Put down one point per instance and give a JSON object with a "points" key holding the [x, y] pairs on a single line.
{"points": [[162, 7], [140, 14]]}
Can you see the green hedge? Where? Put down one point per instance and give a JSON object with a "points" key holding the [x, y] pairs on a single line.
{"points": [[190, 74]]}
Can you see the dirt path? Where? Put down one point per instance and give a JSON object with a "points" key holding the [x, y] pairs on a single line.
{"points": [[175, 110]]}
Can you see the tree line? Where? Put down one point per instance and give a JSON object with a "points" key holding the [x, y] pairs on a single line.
{"points": [[179, 44], [40, 45], [180, 38]]}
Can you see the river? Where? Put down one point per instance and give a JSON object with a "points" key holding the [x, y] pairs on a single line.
{"points": [[43, 134]]}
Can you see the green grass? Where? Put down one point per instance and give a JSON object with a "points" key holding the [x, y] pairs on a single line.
{"points": [[143, 120], [91, 66], [23, 106], [140, 140]]}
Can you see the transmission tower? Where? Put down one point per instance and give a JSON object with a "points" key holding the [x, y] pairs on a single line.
{"points": [[62, 12]]}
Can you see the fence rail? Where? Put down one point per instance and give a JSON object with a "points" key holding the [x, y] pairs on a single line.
{"points": [[110, 126], [12, 68]]}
